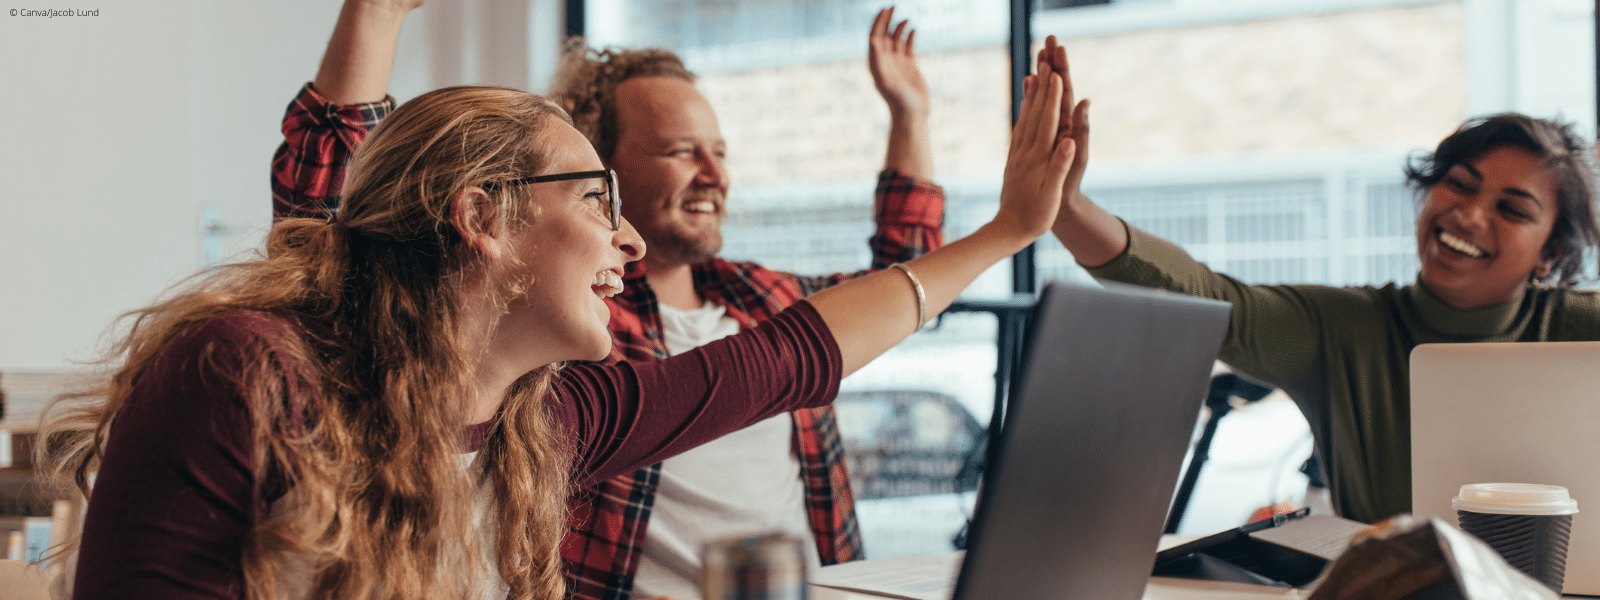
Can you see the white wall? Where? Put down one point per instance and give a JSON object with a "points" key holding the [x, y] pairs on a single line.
{"points": [[1523, 55], [118, 130]]}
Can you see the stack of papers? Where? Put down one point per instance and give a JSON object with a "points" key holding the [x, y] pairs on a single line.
{"points": [[930, 577]]}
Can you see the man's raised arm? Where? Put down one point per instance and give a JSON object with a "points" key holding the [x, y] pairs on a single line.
{"points": [[891, 56], [331, 116]]}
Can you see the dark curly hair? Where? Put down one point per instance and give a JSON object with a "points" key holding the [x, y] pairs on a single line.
{"points": [[1575, 230], [586, 85]]}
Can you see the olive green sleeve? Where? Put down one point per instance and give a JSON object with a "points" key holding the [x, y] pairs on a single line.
{"points": [[1276, 333]]}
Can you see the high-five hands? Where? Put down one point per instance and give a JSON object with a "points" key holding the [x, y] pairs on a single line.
{"points": [[1042, 152], [1093, 236]]}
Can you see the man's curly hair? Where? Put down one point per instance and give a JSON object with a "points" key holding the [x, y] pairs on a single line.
{"points": [[586, 85]]}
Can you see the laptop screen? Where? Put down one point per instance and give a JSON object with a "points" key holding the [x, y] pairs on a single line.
{"points": [[1077, 494]]}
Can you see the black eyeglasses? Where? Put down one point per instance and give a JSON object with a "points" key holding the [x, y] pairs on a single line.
{"points": [[613, 203]]}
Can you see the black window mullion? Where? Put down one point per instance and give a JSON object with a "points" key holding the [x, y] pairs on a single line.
{"points": [[1024, 270], [575, 16]]}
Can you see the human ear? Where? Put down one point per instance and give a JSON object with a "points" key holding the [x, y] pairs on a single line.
{"points": [[473, 215], [1546, 264]]}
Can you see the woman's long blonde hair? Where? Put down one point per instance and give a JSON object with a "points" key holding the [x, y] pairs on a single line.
{"points": [[359, 414]]}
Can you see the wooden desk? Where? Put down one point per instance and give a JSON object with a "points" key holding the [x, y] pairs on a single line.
{"points": [[926, 567], [1160, 588]]}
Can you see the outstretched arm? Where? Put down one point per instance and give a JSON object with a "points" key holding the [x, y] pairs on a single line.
{"points": [[355, 68], [619, 429], [869, 315], [892, 59], [329, 118], [1092, 235], [1275, 331]]}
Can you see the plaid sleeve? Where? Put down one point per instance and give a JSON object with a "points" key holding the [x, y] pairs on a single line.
{"points": [[318, 139], [830, 503], [910, 219], [606, 533], [909, 215]]}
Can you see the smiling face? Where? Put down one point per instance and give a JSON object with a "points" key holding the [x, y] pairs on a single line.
{"points": [[568, 259], [669, 158], [1483, 228]]}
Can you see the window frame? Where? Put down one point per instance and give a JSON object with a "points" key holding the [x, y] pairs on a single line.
{"points": [[1013, 314]]}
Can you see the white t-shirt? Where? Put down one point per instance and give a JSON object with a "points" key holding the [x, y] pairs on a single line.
{"points": [[743, 483], [297, 576]]}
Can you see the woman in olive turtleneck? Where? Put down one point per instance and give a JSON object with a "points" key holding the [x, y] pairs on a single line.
{"points": [[1506, 219]]}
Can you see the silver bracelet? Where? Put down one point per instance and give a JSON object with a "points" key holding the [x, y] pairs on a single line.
{"points": [[922, 297]]}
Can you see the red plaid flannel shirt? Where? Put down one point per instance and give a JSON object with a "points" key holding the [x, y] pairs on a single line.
{"points": [[607, 532]]}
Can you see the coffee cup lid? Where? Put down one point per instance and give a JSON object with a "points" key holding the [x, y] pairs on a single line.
{"points": [[1515, 499]]}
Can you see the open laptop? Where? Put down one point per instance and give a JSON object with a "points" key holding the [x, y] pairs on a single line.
{"points": [[1513, 412], [1076, 496]]}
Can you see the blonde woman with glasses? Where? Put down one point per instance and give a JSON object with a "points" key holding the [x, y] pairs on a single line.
{"points": [[378, 408]]}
